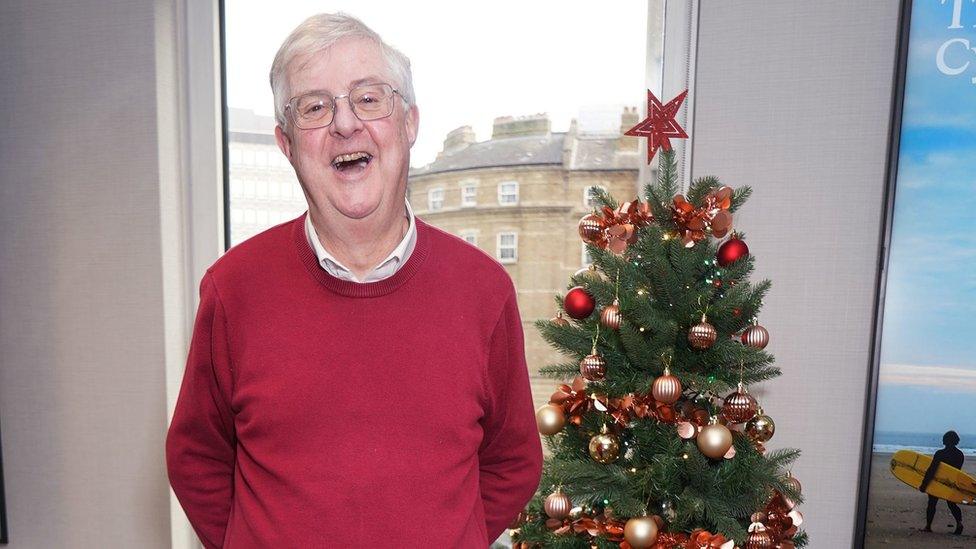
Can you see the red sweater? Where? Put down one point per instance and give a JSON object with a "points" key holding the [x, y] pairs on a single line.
{"points": [[317, 412]]}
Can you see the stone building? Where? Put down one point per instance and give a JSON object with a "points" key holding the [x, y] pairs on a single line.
{"points": [[518, 196]]}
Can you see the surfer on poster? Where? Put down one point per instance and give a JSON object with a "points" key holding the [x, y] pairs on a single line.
{"points": [[950, 455]]}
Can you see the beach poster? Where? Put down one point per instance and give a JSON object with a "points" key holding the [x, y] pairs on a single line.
{"points": [[927, 357]]}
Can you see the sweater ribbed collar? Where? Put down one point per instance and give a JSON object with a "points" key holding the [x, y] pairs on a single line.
{"points": [[356, 289]]}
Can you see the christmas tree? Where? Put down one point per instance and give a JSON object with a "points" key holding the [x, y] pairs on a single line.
{"points": [[656, 442]]}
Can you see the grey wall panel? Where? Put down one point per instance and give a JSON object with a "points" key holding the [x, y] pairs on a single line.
{"points": [[793, 98], [82, 382]]}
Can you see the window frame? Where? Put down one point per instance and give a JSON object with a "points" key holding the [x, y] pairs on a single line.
{"points": [[430, 199], [514, 247], [501, 193]]}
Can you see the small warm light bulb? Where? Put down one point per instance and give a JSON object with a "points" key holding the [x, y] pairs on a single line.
{"points": [[685, 456]]}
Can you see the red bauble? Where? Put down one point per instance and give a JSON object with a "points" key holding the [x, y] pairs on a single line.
{"points": [[578, 303], [733, 250]]}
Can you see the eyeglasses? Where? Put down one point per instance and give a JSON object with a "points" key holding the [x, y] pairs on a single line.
{"points": [[317, 109]]}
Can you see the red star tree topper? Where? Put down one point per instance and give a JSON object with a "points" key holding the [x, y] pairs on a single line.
{"points": [[660, 124]]}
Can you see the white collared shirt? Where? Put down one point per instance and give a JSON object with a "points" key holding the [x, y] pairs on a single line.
{"points": [[387, 268]]}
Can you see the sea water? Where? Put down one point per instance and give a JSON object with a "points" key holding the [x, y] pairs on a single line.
{"points": [[889, 442]]}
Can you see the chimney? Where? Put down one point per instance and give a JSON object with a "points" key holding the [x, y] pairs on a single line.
{"points": [[507, 126], [458, 139], [628, 120]]}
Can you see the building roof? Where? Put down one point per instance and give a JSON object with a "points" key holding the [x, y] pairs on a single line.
{"points": [[511, 151]]}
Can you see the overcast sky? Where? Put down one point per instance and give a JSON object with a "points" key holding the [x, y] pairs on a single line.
{"points": [[471, 61]]}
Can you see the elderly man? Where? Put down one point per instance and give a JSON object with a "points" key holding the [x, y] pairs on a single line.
{"points": [[356, 377]]}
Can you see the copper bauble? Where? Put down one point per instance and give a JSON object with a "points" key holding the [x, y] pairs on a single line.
{"points": [[550, 419], [558, 320], [761, 427], [739, 406], [578, 303], [667, 388], [610, 317], [702, 335], [641, 532], [792, 482], [558, 505], [593, 367], [755, 336], [591, 228], [759, 539], [605, 447], [714, 440]]}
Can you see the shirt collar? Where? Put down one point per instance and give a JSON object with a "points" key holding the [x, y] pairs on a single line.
{"points": [[385, 269]]}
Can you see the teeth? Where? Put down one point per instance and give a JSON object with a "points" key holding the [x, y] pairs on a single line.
{"points": [[350, 157]]}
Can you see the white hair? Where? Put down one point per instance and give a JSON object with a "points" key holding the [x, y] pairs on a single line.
{"points": [[317, 34]]}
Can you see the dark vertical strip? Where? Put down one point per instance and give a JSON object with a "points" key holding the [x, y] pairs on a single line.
{"points": [[3, 499], [891, 178], [224, 132]]}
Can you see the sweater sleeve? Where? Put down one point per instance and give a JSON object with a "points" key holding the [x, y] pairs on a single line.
{"points": [[201, 442], [510, 455]]}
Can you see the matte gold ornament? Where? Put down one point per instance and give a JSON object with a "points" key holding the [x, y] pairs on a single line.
{"points": [[755, 336], [591, 273], [667, 388], [591, 228], [701, 336], [593, 367], [715, 439], [559, 320], [761, 427], [641, 532], [610, 317], [550, 419], [740, 406], [558, 505], [605, 447]]}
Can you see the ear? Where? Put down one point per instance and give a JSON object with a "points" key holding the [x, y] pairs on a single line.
{"points": [[412, 123], [284, 142]]}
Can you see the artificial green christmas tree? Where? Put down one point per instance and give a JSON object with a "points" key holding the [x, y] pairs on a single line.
{"points": [[656, 441]]}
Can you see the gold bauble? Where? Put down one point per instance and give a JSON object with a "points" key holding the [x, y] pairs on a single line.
{"points": [[590, 273], [558, 320], [610, 317], [641, 532], [667, 388], [558, 505], [759, 539], [714, 440], [701, 336], [761, 427], [593, 367], [550, 419], [605, 447]]}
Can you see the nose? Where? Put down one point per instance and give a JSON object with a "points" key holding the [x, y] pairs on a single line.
{"points": [[345, 123]]}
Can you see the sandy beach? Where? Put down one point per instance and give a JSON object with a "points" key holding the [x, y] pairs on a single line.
{"points": [[896, 515]]}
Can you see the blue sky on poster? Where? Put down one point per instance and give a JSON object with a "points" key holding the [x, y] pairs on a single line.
{"points": [[471, 61], [928, 359]]}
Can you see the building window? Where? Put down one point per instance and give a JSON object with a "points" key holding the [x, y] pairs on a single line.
{"points": [[435, 199], [589, 197], [586, 259], [469, 194], [508, 192], [470, 236], [508, 247]]}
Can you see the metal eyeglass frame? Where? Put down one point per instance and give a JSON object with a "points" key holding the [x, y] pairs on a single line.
{"points": [[291, 105]]}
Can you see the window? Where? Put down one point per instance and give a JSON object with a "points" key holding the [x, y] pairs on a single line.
{"points": [[508, 192], [508, 247], [236, 188], [589, 197], [470, 236], [262, 190], [586, 259], [249, 188], [435, 199], [469, 194]]}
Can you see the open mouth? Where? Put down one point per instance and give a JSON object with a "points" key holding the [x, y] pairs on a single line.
{"points": [[351, 161]]}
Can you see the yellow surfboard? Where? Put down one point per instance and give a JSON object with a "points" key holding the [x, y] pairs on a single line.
{"points": [[949, 483]]}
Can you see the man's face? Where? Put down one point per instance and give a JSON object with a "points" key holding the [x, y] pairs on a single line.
{"points": [[370, 188]]}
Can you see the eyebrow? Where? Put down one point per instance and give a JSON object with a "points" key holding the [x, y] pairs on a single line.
{"points": [[371, 79]]}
